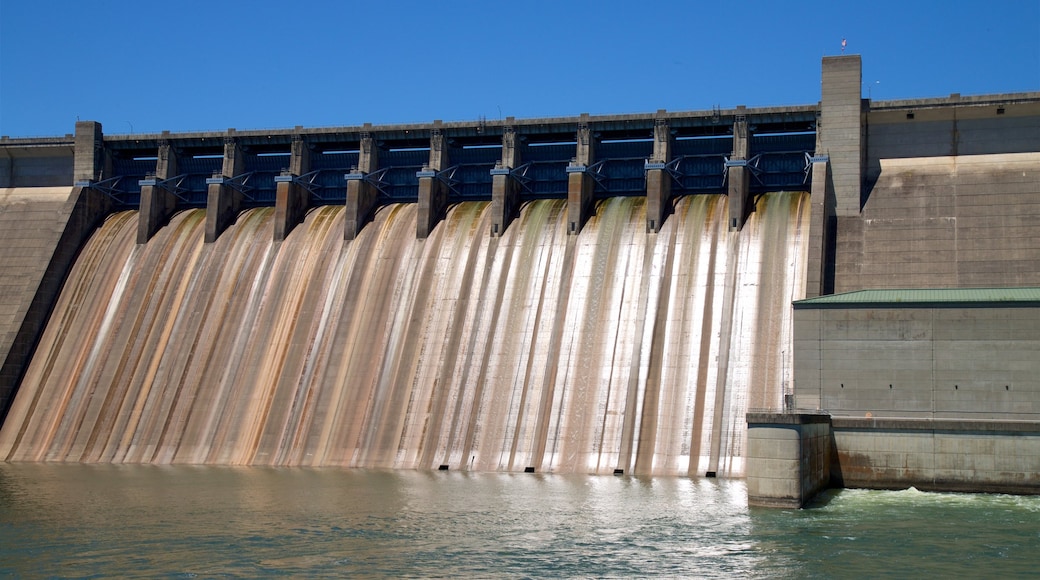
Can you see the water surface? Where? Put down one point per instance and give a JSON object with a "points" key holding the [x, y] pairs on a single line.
{"points": [[181, 521]]}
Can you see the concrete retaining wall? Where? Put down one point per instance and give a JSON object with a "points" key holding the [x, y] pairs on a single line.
{"points": [[941, 455], [792, 456]]}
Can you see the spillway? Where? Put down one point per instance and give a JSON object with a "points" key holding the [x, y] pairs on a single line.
{"points": [[538, 350]]}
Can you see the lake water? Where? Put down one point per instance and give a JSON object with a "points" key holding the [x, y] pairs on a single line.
{"points": [[126, 521]]}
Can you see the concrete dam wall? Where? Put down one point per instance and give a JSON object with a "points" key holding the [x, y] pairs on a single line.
{"points": [[615, 349], [595, 294]]}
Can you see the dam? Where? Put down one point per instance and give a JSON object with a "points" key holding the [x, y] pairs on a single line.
{"points": [[605, 295]]}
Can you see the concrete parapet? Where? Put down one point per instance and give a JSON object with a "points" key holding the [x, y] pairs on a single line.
{"points": [[361, 194], [788, 458], [291, 199]]}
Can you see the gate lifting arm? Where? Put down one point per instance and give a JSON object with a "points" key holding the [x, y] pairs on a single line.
{"points": [[375, 178], [308, 181], [108, 187], [174, 185], [239, 183]]}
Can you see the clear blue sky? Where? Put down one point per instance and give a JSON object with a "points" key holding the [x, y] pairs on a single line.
{"points": [[142, 66]]}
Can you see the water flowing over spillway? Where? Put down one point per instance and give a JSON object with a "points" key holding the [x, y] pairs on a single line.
{"points": [[612, 349]]}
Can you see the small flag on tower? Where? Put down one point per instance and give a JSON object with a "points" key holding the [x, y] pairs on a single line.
{"points": [[843, 43]]}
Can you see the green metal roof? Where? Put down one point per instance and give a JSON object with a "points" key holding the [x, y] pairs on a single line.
{"points": [[922, 297]]}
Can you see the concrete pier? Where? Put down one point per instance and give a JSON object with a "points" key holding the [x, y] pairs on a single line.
{"points": [[91, 162], [505, 190], [788, 458], [157, 201], [580, 185], [841, 129], [738, 175], [433, 193], [658, 179], [223, 200], [361, 194], [292, 199], [819, 271]]}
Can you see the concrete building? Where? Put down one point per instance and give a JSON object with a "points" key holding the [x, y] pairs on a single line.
{"points": [[924, 362]]}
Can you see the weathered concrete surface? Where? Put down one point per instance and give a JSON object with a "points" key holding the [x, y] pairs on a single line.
{"points": [[41, 230], [157, 202], [222, 200], [361, 195], [940, 222], [841, 129], [979, 125], [433, 193], [580, 185], [819, 277], [659, 181], [91, 162], [505, 191], [291, 199], [939, 455], [948, 363], [738, 176], [788, 458], [32, 163]]}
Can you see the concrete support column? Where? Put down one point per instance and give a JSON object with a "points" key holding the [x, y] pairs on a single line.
{"points": [[291, 200], [157, 202], [361, 194], [222, 200], [819, 271], [658, 180], [505, 190], [433, 193], [90, 163], [580, 185], [739, 193], [841, 129]]}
